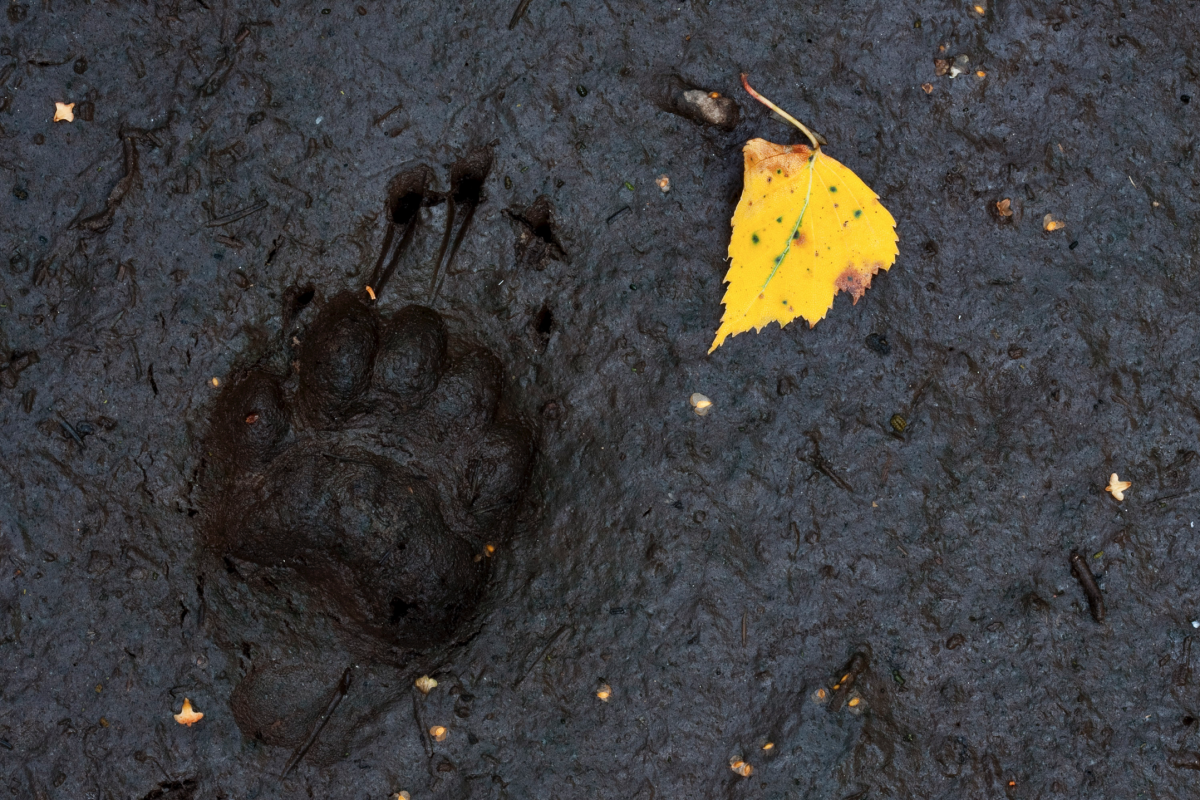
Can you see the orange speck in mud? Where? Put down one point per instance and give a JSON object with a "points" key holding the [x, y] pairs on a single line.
{"points": [[188, 716]]}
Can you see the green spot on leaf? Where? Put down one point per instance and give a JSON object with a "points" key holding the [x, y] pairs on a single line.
{"points": [[833, 188], [858, 212], [754, 238], [779, 219]]}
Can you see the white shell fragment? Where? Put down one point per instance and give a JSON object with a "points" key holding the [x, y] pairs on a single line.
{"points": [[700, 403]]}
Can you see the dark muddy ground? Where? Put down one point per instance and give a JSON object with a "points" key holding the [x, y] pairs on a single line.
{"points": [[716, 571]]}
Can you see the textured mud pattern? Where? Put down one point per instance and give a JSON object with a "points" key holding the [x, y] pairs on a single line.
{"points": [[893, 495]]}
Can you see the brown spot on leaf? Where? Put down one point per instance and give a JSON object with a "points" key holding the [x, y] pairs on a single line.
{"points": [[854, 280], [799, 237]]}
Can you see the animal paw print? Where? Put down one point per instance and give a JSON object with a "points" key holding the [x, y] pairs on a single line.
{"points": [[358, 482]]}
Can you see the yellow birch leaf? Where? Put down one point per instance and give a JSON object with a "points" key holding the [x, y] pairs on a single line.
{"points": [[805, 228]]}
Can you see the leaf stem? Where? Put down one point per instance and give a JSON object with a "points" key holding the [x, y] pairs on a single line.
{"points": [[812, 137]]}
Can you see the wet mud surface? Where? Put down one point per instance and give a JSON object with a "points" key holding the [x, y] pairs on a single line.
{"points": [[869, 553]]}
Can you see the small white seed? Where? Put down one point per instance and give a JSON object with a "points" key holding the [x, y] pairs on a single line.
{"points": [[700, 403]]}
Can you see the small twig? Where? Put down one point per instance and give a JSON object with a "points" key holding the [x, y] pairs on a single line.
{"points": [[419, 718], [616, 214], [520, 12], [822, 464], [1083, 574], [553, 641], [345, 460], [236, 215], [342, 688], [1176, 496], [389, 112], [66, 426], [46, 62]]}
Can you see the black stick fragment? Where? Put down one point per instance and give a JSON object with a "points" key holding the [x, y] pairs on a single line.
{"points": [[419, 719], [616, 214], [558, 634], [389, 112], [520, 12], [1083, 574], [236, 215], [345, 460], [823, 465], [70, 431], [342, 688]]}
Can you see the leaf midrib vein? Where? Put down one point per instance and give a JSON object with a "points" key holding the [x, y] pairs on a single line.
{"points": [[791, 236]]}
